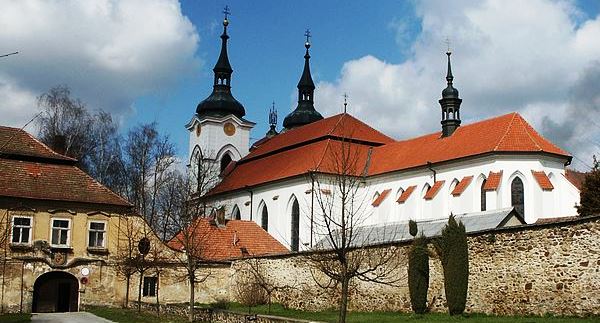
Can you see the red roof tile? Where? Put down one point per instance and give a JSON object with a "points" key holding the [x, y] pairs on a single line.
{"points": [[462, 185], [59, 182], [543, 180], [381, 197], [15, 141], [576, 178], [432, 191], [493, 181], [406, 194], [507, 133], [217, 243]]}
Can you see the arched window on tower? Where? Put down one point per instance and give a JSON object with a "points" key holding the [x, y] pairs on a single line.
{"points": [[482, 195], [225, 160], [295, 226], [264, 217], [235, 214], [517, 196]]}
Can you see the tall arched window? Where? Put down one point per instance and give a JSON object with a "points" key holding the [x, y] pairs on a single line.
{"points": [[264, 218], [517, 196], [235, 214], [482, 193], [295, 234], [225, 160]]}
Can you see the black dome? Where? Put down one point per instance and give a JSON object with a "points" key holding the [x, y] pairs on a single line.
{"points": [[220, 103], [300, 117]]}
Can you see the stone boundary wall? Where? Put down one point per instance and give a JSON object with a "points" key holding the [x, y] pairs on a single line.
{"points": [[527, 270]]}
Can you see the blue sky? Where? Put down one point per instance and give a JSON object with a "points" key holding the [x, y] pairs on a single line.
{"points": [[151, 60]]}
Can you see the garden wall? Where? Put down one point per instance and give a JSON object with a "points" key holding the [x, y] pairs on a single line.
{"points": [[532, 269]]}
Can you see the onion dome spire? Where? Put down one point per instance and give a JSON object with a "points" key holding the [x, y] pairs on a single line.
{"points": [[305, 112], [450, 103], [272, 121], [221, 102]]}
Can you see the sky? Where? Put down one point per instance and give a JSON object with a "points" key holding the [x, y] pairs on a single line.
{"points": [[151, 61]]}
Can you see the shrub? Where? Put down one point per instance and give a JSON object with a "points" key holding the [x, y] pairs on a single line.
{"points": [[220, 303], [453, 251], [250, 294], [418, 274], [412, 228], [590, 192]]}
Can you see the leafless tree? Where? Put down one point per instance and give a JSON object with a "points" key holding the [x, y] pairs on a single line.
{"points": [[343, 253], [129, 236], [258, 277]]}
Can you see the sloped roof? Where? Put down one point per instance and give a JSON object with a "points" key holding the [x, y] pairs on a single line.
{"points": [[309, 148], [543, 181], [58, 182], [432, 191], [381, 197], [493, 181], [576, 178], [217, 243], [406, 194], [462, 185], [507, 133], [15, 141]]}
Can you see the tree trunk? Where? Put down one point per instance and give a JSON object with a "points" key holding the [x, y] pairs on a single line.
{"points": [[157, 289], [191, 313], [344, 300], [140, 292], [128, 282]]}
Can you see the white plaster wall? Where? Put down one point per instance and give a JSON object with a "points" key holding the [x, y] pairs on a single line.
{"points": [[538, 204], [214, 142]]}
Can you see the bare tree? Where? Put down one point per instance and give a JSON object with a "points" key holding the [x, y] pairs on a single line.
{"points": [[343, 253], [258, 277]]}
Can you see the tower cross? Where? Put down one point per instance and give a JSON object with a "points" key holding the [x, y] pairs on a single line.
{"points": [[226, 12], [307, 34], [345, 101], [447, 42]]}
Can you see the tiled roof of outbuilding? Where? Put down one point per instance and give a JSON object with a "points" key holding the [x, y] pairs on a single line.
{"points": [[227, 242], [15, 141]]}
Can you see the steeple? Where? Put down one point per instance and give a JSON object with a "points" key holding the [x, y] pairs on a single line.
{"points": [[221, 102], [450, 103], [305, 112], [272, 121]]}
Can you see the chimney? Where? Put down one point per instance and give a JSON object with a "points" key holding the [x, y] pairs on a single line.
{"points": [[59, 144]]}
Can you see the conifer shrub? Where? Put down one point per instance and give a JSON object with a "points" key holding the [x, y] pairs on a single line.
{"points": [[418, 274], [412, 228], [590, 192], [452, 249]]}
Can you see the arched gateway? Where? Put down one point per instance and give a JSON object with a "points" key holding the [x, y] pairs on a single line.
{"points": [[56, 291]]}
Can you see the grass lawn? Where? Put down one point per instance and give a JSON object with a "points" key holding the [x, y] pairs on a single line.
{"points": [[122, 315], [389, 317], [15, 318]]}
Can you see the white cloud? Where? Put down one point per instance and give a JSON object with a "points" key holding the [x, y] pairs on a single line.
{"points": [[108, 52], [528, 56]]}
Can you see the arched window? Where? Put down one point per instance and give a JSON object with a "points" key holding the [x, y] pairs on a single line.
{"points": [[264, 217], [295, 234], [482, 195], [225, 160], [235, 213], [517, 196]]}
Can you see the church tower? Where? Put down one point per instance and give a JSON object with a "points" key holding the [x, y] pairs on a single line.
{"points": [[218, 131], [450, 103], [305, 112]]}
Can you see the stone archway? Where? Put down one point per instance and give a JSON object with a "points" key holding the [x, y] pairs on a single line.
{"points": [[56, 291]]}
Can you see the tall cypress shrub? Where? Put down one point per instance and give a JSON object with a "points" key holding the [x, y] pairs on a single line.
{"points": [[453, 251], [418, 274]]}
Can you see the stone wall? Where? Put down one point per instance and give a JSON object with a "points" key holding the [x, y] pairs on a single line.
{"points": [[533, 269]]}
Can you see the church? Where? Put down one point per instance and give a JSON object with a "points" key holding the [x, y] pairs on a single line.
{"points": [[468, 169]]}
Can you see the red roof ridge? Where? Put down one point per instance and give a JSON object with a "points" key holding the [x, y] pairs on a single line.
{"points": [[507, 129], [48, 149], [318, 165], [524, 124]]}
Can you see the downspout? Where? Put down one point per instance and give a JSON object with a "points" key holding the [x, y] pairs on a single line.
{"points": [[433, 171]]}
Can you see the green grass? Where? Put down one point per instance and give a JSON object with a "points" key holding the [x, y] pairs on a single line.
{"points": [[389, 317], [122, 315], [15, 318]]}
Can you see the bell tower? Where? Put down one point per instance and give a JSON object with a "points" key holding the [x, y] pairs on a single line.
{"points": [[450, 103]]}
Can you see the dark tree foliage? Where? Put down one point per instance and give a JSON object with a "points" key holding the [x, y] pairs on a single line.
{"points": [[453, 251], [412, 228], [418, 274], [590, 192]]}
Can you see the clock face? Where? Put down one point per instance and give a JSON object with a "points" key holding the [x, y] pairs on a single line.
{"points": [[229, 129], [198, 131]]}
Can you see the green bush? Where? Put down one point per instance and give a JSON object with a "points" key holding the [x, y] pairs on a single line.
{"points": [[412, 228], [418, 274], [590, 192], [453, 251]]}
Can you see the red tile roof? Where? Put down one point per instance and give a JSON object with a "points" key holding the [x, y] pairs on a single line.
{"points": [[493, 181], [462, 185], [507, 133], [58, 182], [543, 180], [432, 191], [307, 148], [406, 194], [381, 197], [210, 242], [15, 141], [576, 178]]}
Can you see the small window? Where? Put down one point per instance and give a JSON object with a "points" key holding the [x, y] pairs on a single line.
{"points": [[150, 286], [97, 233], [60, 232], [21, 230]]}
